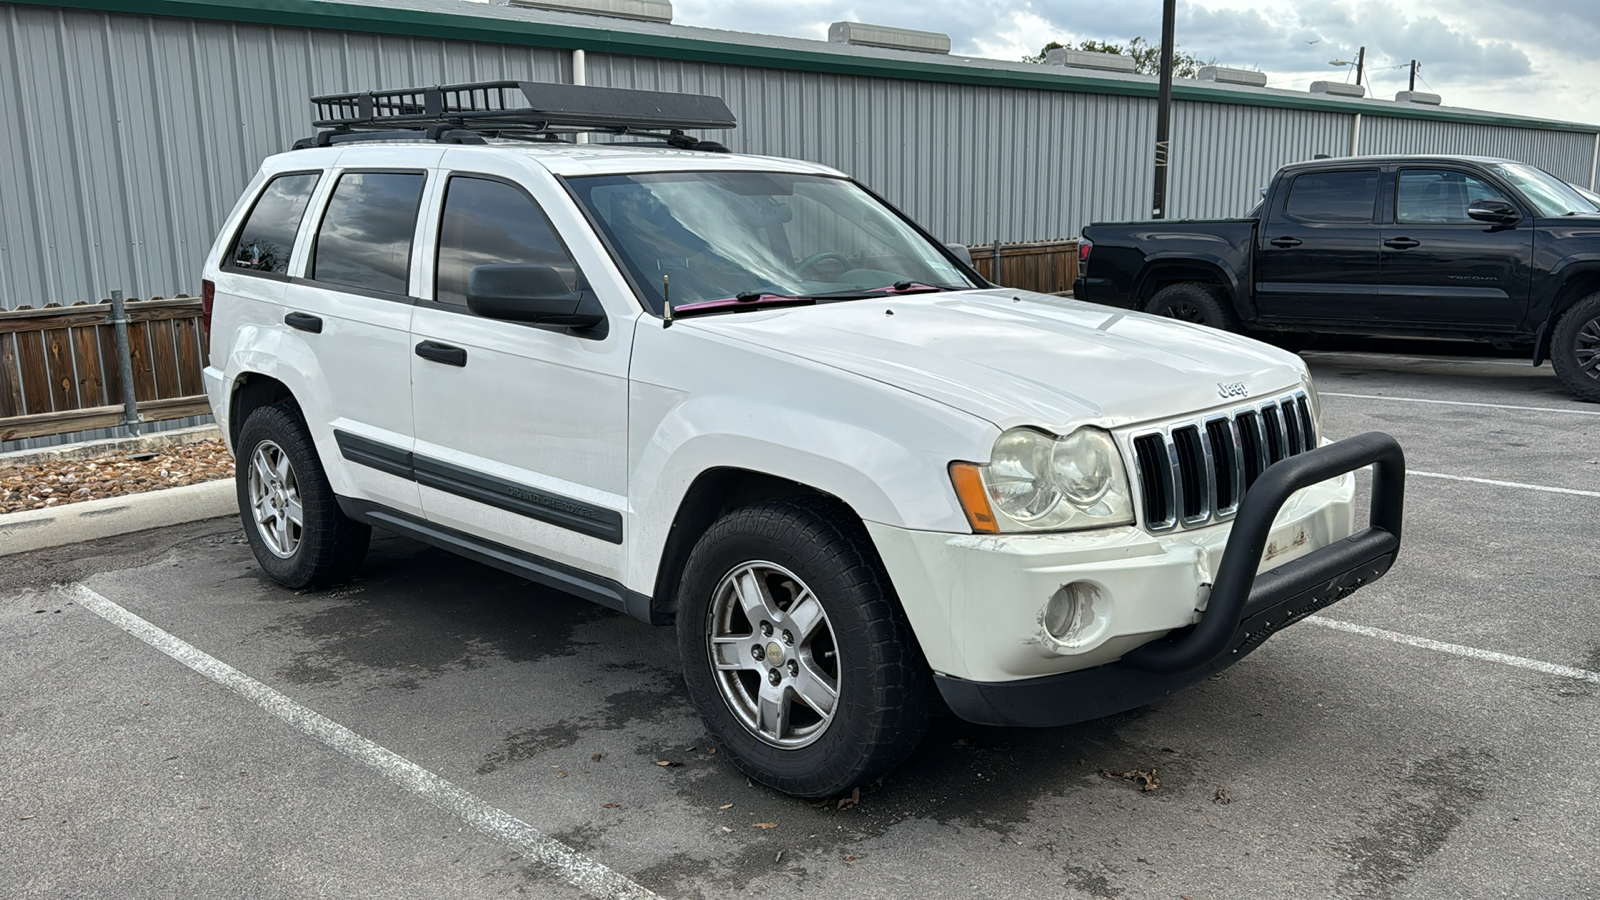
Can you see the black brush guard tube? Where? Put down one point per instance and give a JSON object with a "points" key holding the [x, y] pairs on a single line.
{"points": [[1244, 608]]}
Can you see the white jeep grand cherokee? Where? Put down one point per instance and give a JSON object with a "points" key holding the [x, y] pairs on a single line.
{"points": [[746, 395]]}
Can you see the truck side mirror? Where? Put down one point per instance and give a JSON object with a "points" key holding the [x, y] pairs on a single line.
{"points": [[1495, 212], [961, 252], [538, 295]]}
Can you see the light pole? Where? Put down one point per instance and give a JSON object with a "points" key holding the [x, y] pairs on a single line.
{"points": [[1158, 204]]}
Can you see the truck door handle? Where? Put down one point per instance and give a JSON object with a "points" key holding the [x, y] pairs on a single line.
{"points": [[1285, 242], [304, 322], [442, 353], [1401, 243]]}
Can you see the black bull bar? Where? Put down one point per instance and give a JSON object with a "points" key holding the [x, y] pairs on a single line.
{"points": [[1244, 609]]}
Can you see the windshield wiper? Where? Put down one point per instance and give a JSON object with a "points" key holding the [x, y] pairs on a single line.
{"points": [[898, 289], [741, 302]]}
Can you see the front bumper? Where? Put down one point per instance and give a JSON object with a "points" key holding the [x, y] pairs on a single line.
{"points": [[1295, 523]]}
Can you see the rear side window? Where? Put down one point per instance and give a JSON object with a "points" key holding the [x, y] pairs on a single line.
{"points": [[487, 222], [365, 237], [1346, 198], [267, 238]]}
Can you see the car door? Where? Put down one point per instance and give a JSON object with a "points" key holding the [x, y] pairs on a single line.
{"points": [[521, 429], [351, 306], [1439, 267], [1317, 251]]}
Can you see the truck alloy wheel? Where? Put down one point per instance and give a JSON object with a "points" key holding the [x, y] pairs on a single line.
{"points": [[1575, 349]]}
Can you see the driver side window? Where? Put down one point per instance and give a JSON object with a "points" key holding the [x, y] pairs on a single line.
{"points": [[1439, 197]]}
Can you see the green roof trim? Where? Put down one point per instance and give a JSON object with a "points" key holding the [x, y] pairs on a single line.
{"points": [[480, 28]]}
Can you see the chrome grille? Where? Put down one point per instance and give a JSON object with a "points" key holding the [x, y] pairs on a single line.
{"points": [[1196, 472]]}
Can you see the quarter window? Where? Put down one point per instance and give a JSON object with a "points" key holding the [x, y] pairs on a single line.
{"points": [[487, 222], [1439, 196], [1343, 198], [365, 237], [267, 239]]}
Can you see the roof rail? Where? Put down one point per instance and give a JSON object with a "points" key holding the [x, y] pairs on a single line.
{"points": [[529, 110]]}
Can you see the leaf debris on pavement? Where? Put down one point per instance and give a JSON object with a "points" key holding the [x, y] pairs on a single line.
{"points": [[1147, 781]]}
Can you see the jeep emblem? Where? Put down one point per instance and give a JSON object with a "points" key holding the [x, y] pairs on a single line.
{"points": [[1226, 389]]}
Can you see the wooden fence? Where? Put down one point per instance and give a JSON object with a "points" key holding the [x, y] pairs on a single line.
{"points": [[1048, 267], [59, 369]]}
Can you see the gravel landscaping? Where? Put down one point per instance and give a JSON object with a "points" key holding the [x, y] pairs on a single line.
{"points": [[55, 482]]}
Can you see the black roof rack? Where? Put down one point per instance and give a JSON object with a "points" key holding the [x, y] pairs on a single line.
{"points": [[529, 110]]}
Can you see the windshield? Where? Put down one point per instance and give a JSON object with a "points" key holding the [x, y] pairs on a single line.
{"points": [[1549, 195], [717, 235]]}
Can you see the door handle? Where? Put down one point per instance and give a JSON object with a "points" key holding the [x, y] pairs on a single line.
{"points": [[1401, 243], [442, 353], [304, 322], [1285, 242]]}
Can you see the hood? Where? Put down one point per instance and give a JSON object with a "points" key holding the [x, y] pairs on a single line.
{"points": [[1019, 358]]}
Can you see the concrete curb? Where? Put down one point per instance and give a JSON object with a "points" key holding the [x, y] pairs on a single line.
{"points": [[36, 529]]}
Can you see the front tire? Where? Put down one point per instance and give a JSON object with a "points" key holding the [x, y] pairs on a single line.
{"points": [[795, 651], [1191, 301], [291, 517], [1575, 349]]}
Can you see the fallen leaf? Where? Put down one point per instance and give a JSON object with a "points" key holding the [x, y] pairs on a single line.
{"points": [[726, 806], [1147, 781], [668, 763], [765, 826], [561, 774], [1222, 797], [853, 800], [610, 805], [727, 830], [712, 751], [849, 858], [597, 757]]}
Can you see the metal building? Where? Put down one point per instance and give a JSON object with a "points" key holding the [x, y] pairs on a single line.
{"points": [[128, 127]]}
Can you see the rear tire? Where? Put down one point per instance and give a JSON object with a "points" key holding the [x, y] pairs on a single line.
{"points": [[1191, 301], [1575, 348], [291, 517], [795, 651]]}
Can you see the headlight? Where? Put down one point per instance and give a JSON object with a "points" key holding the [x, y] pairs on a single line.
{"points": [[1315, 402], [1038, 482]]}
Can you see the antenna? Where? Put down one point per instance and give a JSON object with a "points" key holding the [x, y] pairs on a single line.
{"points": [[666, 303]]}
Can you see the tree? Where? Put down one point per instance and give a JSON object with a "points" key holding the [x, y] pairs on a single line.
{"points": [[1146, 56]]}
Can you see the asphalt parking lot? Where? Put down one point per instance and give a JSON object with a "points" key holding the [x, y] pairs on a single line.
{"points": [[172, 724]]}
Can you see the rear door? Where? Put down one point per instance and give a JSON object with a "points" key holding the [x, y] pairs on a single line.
{"points": [[351, 308], [1443, 269], [1317, 249], [522, 430]]}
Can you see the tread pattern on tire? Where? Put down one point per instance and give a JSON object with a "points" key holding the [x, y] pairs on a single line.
{"points": [[815, 533], [332, 545], [1207, 297]]}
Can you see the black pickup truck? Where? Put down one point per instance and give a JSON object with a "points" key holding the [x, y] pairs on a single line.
{"points": [[1425, 246]]}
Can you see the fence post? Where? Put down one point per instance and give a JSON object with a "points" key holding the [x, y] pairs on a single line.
{"points": [[119, 324], [996, 258]]}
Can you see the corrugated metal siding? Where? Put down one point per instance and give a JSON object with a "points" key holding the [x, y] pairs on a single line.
{"points": [[127, 139], [1567, 154], [124, 139]]}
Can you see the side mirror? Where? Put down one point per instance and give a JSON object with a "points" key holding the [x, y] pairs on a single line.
{"points": [[961, 252], [1495, 212], [529, 293]]}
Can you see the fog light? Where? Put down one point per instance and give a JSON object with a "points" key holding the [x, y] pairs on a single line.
{"points": [[1070, 615]]}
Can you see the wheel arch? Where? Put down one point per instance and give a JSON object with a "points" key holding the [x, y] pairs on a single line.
{"points": [[251, 391], [1160, 272], [1581, 280]]}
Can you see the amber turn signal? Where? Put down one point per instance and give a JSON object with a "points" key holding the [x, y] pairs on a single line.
{"points": [[974, 497]]}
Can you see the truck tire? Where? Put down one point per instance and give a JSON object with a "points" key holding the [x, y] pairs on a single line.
{"points": [[1191, 301], [1575, 348], [300, 536], [795, 651]]}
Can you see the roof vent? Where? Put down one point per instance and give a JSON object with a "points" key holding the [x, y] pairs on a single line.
{"points": [[641, 10], [1085, 59], [1417, 97], [1225, 75], [888, 38], [1338, 89]]}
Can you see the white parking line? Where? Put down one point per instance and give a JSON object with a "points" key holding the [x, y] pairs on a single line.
{"points": [[563, 861], [1554, 409], [1510, 484], [1506, 659]]}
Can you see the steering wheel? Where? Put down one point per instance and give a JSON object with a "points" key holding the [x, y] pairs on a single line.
{"points": [[816, 258]]}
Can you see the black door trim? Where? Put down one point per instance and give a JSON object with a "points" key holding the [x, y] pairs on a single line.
{"points": [[604, 591], [554, 509]]}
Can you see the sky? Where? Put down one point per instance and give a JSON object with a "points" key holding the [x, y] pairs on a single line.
{"points": [[1534, 57]]}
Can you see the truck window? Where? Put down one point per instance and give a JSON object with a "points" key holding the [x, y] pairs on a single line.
{"points": [[267, 238], [1333, 197], [486, 222], [1438, 196], [365, 237]]}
